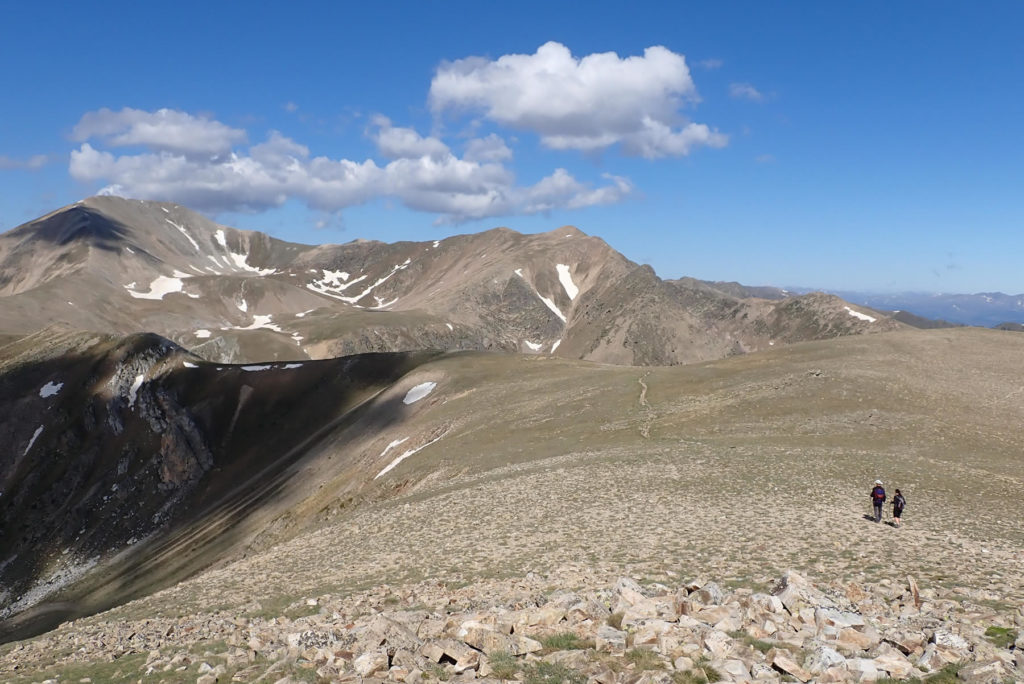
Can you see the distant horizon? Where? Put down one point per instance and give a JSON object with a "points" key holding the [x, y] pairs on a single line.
{"points": [[865, 147]]}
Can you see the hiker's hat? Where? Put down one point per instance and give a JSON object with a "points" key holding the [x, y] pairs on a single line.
{"points": [[878, 482]]}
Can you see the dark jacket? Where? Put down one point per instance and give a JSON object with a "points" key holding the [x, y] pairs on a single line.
{"points": [[898, 502], [878, 495]]}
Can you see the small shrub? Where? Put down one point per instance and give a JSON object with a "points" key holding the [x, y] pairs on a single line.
{"points": [[644, 659], [615, 620], [503, 664], [1003, 637], [689, 677], [543, 672]]}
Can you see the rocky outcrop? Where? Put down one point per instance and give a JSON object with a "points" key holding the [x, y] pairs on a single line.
{"points": [[695, 631]]}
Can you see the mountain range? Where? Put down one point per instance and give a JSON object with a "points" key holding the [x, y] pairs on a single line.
{"points": [[179, 397], [228, 295]]}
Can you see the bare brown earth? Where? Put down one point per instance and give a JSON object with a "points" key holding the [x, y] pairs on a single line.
{"points": [[736, 470]]}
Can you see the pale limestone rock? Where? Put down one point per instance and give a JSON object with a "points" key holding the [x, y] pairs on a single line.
{"points": [[915, 593], [783, 661], [713, 615], [205, 679], [369, 663], [629, 591], [430, 628], [718, 644], [863, 669], [683, 664], [763, 673], [647, 608], [710, 594], [895, 663], [988, 672], [734, 668], [949, 640], [821, 658], [648, 631], [852, 641], [610, 640]]}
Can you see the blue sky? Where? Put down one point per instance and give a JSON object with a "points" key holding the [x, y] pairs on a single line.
{"points": [[871, 145]]}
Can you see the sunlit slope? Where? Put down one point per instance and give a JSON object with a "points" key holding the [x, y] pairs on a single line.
{"points": [[937, 411]]}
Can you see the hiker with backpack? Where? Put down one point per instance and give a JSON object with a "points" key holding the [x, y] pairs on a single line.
{"points": [[898, 502], [877, 499]]}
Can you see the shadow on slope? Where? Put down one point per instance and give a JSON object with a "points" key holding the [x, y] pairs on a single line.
{"points": [[145, 463]]}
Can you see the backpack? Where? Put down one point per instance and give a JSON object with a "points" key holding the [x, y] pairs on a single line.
{"points": [[878, 494]]}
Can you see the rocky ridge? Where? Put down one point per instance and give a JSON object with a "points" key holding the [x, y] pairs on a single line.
{"points": [[569, 626]]}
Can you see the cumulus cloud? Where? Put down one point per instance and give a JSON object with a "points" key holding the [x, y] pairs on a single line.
{"points": [[165, 130], [405, 143], [745, 91], [489, 149], [423, 174], [588, 103], [33, 163]]}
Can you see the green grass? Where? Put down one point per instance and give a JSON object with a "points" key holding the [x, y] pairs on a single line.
{"points": [[503, 665], [947, 675], [757, 644], [543, 672], [565, 641], [644, 659], [1003, 637]]}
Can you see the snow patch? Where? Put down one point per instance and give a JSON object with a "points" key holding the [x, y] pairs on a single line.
{"points": [[303, 313], [243, 307], [183, 232], [318, 286], [164, 209], [566, 279], [133, 391], [242, 262], [389, 447], [189, 364], [436, 243], [535, 346], [519, 272], [291, 366], [450, 326], [35, 436], [203, 334], [861, 316], [50, 388], [555, 346], [256, 368], [259, 321], [404, 456], [418, 392], [220, 237], [551, 305], [158, 288]]}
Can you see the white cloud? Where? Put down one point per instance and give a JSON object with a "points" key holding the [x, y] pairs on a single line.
{"points": [[33, 163], [166, 130], [710, 64], [745, 91], [405, 143], [489, 149], [587, 103], [423, 174], [291, 107]]}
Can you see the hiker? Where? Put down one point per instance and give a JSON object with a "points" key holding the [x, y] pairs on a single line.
{"points": [[877, 499], [898, 502]]}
